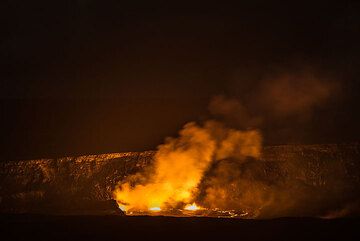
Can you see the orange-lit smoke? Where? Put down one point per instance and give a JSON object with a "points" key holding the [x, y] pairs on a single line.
{"points": [[180, 164], [294, 94], [215, 167]]}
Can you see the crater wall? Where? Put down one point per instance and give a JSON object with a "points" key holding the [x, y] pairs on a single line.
{"points": [[84, 184]]}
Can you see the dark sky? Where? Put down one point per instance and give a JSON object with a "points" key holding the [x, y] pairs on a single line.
{"points": [[86, 76]]}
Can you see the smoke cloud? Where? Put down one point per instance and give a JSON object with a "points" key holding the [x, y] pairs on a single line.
{"points": [[233, 111], [220, 167], [180, 164], [264, 189], [294, 94], [275, 99]]}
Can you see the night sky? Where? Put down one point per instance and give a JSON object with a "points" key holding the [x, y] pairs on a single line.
{"points": [[86, 76]]}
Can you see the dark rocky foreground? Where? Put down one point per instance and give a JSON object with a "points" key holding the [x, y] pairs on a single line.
{"points": [[84, 185], [39, 227]]}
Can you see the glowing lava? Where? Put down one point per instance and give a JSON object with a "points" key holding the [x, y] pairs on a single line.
{"points": [[122, 207], [192, 207], [155, 209]]}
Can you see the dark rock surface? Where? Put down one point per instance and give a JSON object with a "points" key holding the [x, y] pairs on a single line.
{"points": [[59, 185], [45, 227], [80, 184]]}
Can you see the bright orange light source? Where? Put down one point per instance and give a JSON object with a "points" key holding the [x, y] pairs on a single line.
{"points": [[155, 209], [192, 207]]}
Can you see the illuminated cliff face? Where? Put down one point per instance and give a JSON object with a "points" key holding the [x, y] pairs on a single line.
{"points": [[62, 185], [319, 180]]}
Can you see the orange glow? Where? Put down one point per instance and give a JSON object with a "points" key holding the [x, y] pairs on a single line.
{"points": [[122, 207], [155, 209], [180, 164], [192, 207]]}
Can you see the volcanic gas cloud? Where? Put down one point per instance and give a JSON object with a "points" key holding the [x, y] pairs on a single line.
{"points": [[209, 168], [180, 165]]}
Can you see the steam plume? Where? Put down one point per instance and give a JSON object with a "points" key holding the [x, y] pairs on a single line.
{"points": [[219, 168], [294, 94], [233, 111], [181, 162]]}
